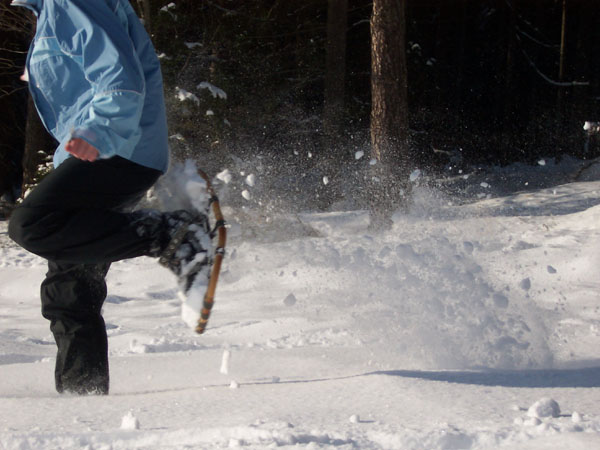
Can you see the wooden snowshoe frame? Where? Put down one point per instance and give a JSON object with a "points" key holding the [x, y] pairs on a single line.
{"points": [[221, 234]]}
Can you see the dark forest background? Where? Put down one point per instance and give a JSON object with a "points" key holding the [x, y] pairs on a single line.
{"points": [[488, 81]]}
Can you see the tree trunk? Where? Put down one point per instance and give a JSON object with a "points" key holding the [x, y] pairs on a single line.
{"points": [[389, 108], [563, 33], [38, 145], [145, 9], [561, 63], [335, 70], [509, 99], [389, 103]]}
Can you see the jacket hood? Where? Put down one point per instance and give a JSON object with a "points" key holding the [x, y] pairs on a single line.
{"points": [[34, 5]]}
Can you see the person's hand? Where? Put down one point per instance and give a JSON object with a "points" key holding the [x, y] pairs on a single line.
{"points": [[82, 150]]}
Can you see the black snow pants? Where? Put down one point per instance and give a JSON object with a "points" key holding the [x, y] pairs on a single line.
{"points": [[78, 219]]}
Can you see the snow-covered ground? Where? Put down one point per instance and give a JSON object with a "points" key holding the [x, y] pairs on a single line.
{"points": [[474, 323]]}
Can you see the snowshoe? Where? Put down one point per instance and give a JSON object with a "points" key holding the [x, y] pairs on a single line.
{"points": [[190, 255]]}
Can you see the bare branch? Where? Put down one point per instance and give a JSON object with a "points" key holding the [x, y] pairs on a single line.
{"points": [[15, 19], [546, 77]]}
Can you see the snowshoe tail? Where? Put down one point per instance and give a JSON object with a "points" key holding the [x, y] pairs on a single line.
{"points": [[220, 233]]}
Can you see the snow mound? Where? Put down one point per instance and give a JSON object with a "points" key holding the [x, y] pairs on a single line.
{"points": [[130, 422], [427, 304], [545, 407]]}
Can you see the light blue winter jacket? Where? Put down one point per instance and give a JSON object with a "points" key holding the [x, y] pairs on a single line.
{"points": [[94, 74]]}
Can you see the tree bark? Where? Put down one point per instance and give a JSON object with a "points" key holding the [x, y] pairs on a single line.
{"points": [[389, 102], [389, 188]]}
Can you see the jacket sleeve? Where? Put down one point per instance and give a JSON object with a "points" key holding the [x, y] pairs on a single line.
{"points": [[97, 38]]}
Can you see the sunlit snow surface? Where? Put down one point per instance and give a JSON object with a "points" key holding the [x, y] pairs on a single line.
{"points": [[469, 325]]}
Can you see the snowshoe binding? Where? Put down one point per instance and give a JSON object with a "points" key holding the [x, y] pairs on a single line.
{"points": [[189, 254]]}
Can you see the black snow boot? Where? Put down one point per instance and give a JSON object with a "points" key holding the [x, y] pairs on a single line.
{"points": [[189, 241]]}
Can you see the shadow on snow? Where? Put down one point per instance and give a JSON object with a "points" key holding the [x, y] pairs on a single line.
{"points": [[544, 378]]}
